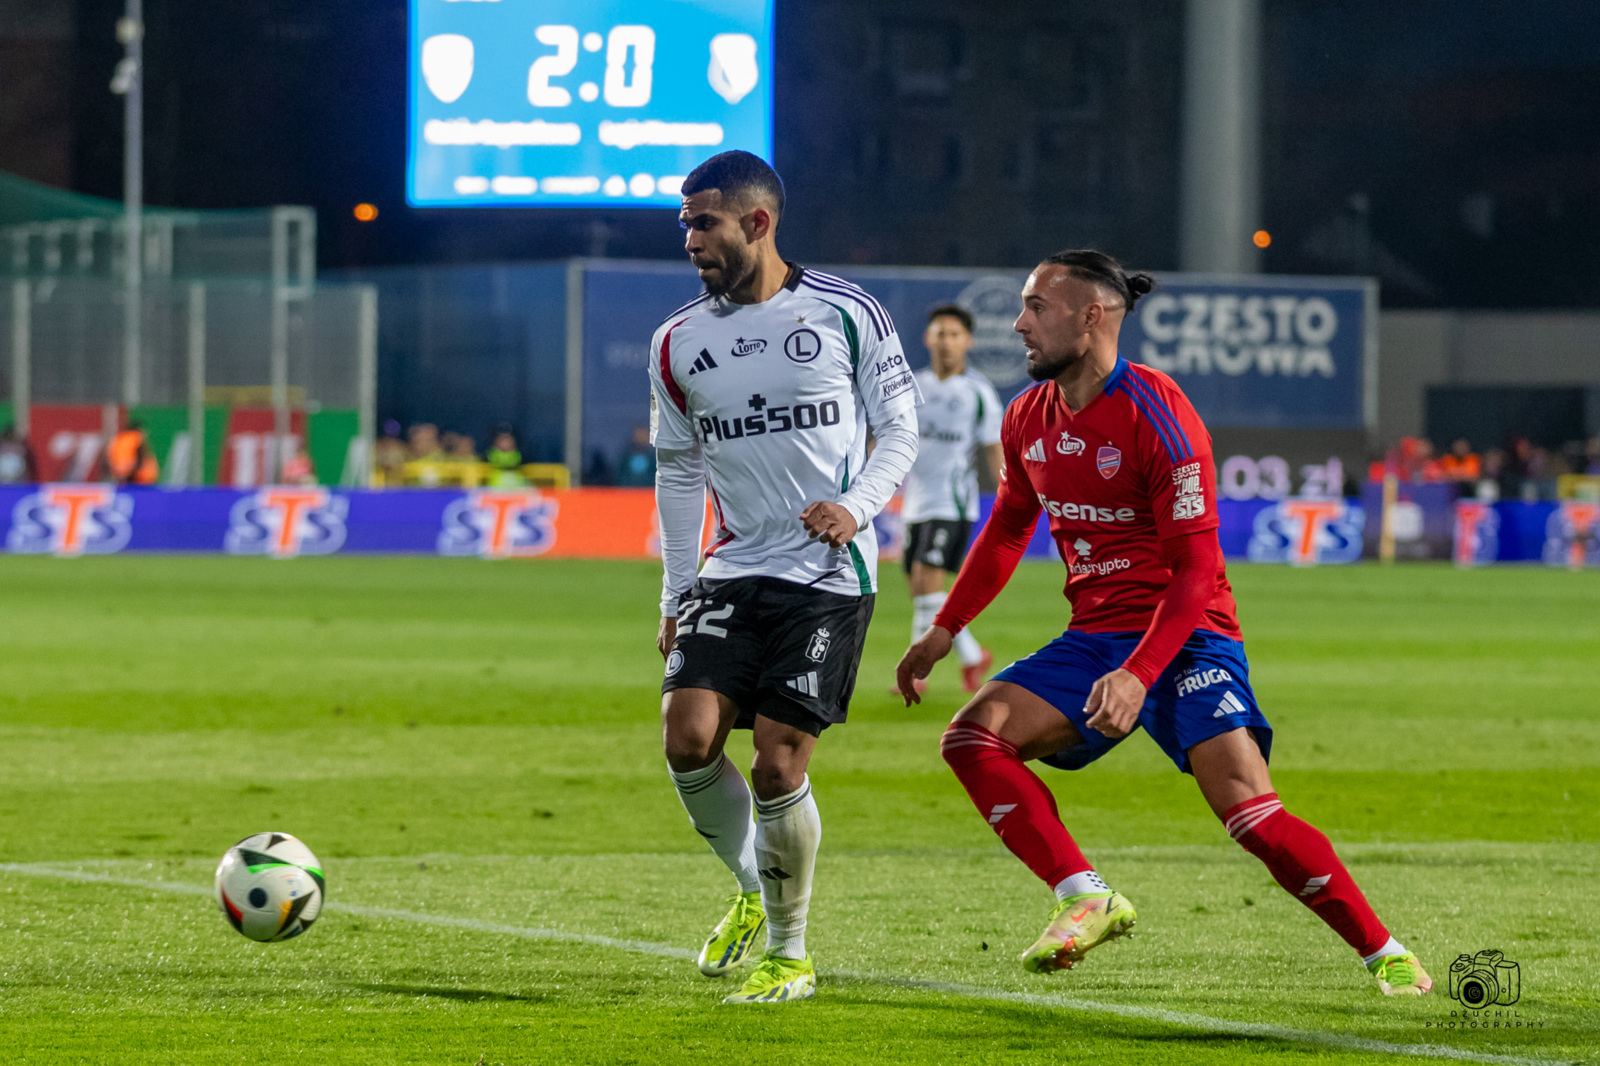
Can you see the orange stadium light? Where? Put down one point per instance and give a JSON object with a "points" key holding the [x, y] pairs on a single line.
{"points": [[1261, 238], [366, 212]]}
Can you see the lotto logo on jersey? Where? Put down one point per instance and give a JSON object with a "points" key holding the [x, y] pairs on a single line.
{"points": [[768, 420], [1069, 445], [1085, 512], [1190, 500], [70, 520], [1307, 532], [284, 521], [499, 524]]}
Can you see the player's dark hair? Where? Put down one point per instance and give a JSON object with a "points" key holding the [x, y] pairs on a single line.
{"points": [[955, 311], [739, 175], [1085, 264]]}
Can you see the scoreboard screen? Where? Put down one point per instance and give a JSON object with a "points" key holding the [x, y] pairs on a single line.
{"points": [[581, 103]]}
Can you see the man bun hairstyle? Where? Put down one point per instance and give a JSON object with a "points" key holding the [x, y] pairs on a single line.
{"points": [[740, 176], [955, 311], [1085, 264]]}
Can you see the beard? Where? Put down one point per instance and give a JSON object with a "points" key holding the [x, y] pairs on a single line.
{"points": [[1047, 369], [735, 269]]}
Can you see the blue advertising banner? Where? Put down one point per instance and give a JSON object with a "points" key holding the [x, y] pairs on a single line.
{"points": [[1263, 352], [1290, 353], [287, 521]]}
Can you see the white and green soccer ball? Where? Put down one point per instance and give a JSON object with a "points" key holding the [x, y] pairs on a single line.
{"points": [[270, 886]]}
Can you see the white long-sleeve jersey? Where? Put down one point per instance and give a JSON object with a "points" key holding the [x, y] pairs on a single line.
{"points": [[958, 416], [771, 404]]}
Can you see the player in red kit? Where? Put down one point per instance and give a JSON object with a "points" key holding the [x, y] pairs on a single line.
{"points": [[1119, 459]]}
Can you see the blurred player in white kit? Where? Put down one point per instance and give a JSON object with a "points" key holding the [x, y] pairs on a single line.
{"points": [[959, 419]]}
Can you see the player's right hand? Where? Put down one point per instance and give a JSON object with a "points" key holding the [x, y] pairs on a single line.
{"points": [[919, 659], [665, 635]]}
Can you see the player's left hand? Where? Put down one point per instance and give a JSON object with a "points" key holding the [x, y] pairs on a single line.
{"points": [[830, 523], [918, 660], [1114, 702]]}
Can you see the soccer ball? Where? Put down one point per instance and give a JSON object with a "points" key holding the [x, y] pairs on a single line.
{"points": [[270, 886]]}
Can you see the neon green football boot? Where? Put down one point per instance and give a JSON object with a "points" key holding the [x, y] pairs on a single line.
{"points": [[1078, 924], [1401, 975], [730, 941], [777, 980]]}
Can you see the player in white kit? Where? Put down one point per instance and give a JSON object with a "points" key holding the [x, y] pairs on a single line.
{"points": [[958, 419], [763, 390]]}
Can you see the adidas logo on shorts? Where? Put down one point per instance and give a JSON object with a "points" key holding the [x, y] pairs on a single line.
{"points": [[806, 683], [1230, 705]]}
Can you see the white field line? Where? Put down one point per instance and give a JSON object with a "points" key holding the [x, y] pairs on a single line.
{"points": [[1201, 1022], [1225, 848]]}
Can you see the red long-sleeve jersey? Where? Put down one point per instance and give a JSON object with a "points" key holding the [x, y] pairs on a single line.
{"points": [[1130, 488]]}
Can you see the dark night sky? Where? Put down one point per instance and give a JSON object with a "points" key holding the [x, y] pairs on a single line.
{"points": [[1452, 145]]}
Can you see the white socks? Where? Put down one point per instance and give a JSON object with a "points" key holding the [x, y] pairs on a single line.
{"points": [[1393, 947], [718, 802], [924, 609], [788, 831], [1078, 884], [968, 650]]}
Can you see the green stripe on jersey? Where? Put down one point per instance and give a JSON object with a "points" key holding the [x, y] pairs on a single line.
{"points": [[861, 569], [855, 553], [849, 334]]}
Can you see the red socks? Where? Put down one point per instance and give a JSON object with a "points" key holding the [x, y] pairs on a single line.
{"points": [[1018, 805], [1303, 862], [1023, 811]]}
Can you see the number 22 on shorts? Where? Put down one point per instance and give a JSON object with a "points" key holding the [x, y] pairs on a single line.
{"points": [[686, 624]]}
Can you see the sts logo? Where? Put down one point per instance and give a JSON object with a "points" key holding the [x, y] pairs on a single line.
{"points": [[68, 520], [1477, 540], [1572, 535], [1307, 532], [284, 521], [499, 524]]}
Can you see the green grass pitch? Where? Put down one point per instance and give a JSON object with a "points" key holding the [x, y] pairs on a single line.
{"points": [[473, 750]]}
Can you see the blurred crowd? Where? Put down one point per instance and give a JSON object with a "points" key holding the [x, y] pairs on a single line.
{"points": [[425, 456], [1520, 470], [635, 466]]}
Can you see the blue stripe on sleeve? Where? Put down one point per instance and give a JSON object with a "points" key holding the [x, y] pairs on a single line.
{"points": [[1176, 440], [1128, 383]]}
